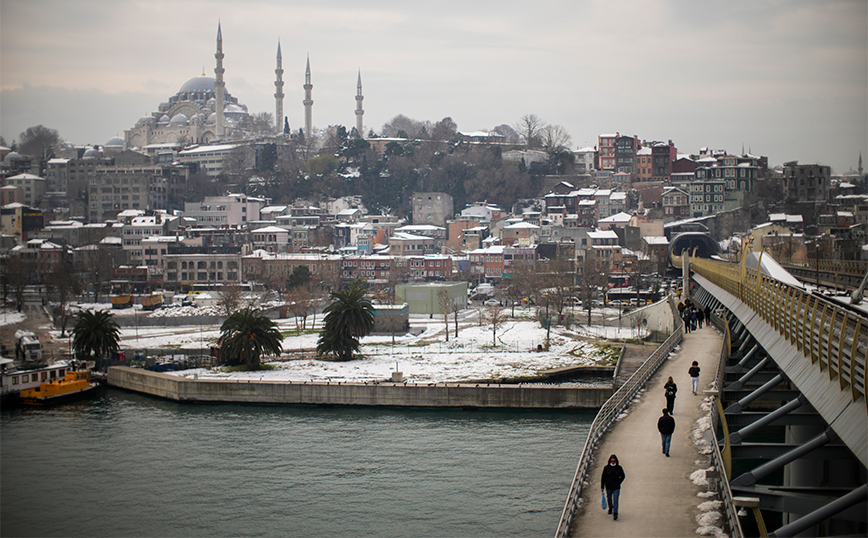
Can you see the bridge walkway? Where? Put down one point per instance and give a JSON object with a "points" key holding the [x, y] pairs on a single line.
{"points": [[657, 497]]}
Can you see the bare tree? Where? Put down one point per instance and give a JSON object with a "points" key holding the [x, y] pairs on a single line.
{"points": [[507, 132], [555, 138], [259, 124], [443, 300], [301, 302], [19, 272], [39, 141], [230, 299], [456, 308], [64, 282], [638, 320], [529, 129], [444, 130], [494, 318], [97, 263]]}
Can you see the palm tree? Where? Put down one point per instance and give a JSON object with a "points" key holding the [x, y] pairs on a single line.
{"points": [[246, 335], [349, 317], [95, 334]]}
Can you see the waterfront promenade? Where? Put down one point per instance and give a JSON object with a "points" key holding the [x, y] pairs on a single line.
{"points": [[657, 498]]}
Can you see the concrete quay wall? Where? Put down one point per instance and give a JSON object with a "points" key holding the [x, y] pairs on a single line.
{"points": [[380, 394]]}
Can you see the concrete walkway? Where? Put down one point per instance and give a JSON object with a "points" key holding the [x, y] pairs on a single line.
{"points": [[657, 497]]}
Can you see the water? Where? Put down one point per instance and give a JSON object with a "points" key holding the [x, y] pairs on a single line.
{"points": [[130, 465]]}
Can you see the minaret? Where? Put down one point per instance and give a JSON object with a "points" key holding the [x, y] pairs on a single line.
{"points": [[278, 91], [308, 102], [219, 85], [359, 111]]}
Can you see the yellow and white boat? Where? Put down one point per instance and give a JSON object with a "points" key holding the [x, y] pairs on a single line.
{"points": [[73, 384]]}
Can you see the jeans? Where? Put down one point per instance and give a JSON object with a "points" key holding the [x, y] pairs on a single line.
{"points": [[612, 496], [694, 382], [670, 404], [667, 440]]}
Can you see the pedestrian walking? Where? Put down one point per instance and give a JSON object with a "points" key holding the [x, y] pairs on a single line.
{"points": [[669, 390], [700, 317], [666, 425], [610, 482], [694, 376]]}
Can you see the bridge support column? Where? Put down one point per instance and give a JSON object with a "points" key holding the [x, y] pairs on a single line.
{"points": [[739, 405], [750, 478], [736, 437], [746, 377]]}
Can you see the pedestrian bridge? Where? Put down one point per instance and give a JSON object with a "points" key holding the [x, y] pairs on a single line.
{"points": [[790, 434]]}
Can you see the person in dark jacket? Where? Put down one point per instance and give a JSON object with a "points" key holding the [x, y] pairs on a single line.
{"points": [[666, 425], [669, 390], [693, 372], [610, 482]]}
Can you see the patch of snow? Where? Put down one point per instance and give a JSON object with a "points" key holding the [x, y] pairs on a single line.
{"points": [[710, 506], [706, 494], [710, 530], [709, 519], [9, 317]]}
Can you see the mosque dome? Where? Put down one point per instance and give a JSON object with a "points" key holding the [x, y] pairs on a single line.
{"points": [[164, 119], [179, 118], [211, 102], [91, 154], [164, 106], [145, 119], [12, 156], [114, 142], [198, 84], [212, 118]]}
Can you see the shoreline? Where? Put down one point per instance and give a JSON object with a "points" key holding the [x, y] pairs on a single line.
{"points": [[380, 393]]}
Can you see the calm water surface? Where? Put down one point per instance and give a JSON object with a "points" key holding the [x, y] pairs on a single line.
{"points": [[130, 465]]}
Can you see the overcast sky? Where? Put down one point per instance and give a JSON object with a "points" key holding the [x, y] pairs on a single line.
{"points": [[786, 79]]}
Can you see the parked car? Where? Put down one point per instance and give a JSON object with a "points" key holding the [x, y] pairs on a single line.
{"points": [[491, 302]]}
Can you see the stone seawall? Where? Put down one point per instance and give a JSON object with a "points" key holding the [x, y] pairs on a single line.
{"points": [[381, 394]]}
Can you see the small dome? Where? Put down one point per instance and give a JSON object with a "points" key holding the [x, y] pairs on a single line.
{"points": [[12, 156], [211, 102], [164, 119], [164, 106], [145, 119], [91, 154], [179, 118], [114, 142], [212, 117]]}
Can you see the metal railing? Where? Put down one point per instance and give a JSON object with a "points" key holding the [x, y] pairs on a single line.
{"points": [[842, 267], [833, 336], [607, 415], [718, 458]]}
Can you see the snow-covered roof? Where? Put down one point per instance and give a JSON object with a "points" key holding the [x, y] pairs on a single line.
{"points": [[617, 217], [270, 230], [656, 240], [603, 234], [401, 236], [521, 225]]}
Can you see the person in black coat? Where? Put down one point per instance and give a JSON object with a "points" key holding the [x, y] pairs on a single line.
{"points": [[610, 481], [669, 390], [666, 425]]}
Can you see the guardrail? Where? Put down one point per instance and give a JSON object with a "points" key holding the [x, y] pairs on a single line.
{"points": [[833, 336], [718, 458], [842, 267], [607, 415]]}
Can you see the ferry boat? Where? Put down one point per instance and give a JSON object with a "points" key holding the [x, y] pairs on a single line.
{"points": [[74, 383], [15, 379]]}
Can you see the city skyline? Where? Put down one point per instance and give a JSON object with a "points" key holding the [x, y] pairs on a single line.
{"points": [[784, 79]]}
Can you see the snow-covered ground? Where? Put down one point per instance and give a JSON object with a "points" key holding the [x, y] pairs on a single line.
{"points": [[425, 357], [9, 316]]}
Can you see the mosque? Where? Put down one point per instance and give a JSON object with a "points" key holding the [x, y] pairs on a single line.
{"points": [[204, 112]]}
